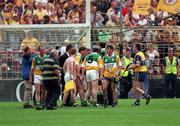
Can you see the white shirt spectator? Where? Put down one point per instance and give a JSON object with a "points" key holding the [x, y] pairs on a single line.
{"points": [[42, 1], [152, 53], [143, 22]]}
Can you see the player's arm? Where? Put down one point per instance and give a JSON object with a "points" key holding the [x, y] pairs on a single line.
{"points": [[77, 64], [56, 69], [119, 65], [73, 69], [137, 63], [101, 66], [77, 59], [64, 67], [83, 66], [32, 70]]}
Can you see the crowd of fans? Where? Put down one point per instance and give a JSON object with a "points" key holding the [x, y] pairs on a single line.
{"points": [[73, 11], [42, 11]]}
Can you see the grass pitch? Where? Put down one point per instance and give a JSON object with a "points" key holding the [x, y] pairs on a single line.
{"points": [[160, 112]]}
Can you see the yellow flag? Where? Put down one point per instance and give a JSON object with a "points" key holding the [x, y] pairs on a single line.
{"points": [[141, 7], [172, 6]]}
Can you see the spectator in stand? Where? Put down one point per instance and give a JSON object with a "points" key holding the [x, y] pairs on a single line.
{"points": [[143, 21], [75, 12], [77, 2], [151, 52], [129, 18], [98, 22], [61, 13], [40, 11], [126, 6], [50, 8], [15, 19], [29, 10], [16, 11], [42, 1], [62, 20], [46, 20], [75, 20], [54, 18], [128, 34], [151, 16], [7, 13], [83, 17], [102, 6], [113, 21], [175, 21], [114, 5], [68, 6], [35, 20], [2, 4], [26, 19], [94, 12], [29, 1], [157, 67]]}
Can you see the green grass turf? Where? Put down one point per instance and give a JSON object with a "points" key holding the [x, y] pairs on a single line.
{"points": [[160, 112]]}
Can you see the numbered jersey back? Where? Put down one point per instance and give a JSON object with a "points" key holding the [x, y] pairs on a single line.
{"points": [[93, 61]]}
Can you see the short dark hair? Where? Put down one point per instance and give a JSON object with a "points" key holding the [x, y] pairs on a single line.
{"points": [[82, 49], [138, 46], [68, 47], [72, 51], [96, 49], [110, 46], [26, 49], [102, 44]]}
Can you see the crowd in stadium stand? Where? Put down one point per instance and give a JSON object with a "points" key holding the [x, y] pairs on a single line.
{"points": [[73, 11], [42, 11]]}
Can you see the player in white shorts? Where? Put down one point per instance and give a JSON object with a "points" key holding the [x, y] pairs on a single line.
{"points": [[36, 72], [93, 65], [70, 74]]}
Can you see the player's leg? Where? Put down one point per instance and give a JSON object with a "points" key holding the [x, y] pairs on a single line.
{"points": [[73, 96], [42, 94], [94, 91], [27, 94], [105, 95], [88, 92], [114, 94], [80, 90], [94, 81], [65, 96]]}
